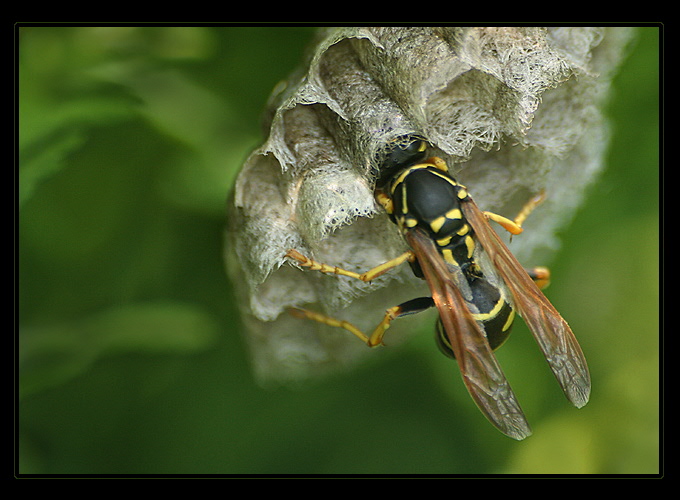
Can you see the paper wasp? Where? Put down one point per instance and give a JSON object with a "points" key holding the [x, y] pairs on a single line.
{"points": [[476, 284]]}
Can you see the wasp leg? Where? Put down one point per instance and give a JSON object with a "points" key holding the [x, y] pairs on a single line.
{"points": [[510, 226], [514, 227], [385, 201], [540, 275], [438, 163], [409, 307], [529, 207], [369, 275]]}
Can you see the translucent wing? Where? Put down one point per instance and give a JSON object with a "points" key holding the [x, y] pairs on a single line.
{"points": [[481, 372], [551, 331]]}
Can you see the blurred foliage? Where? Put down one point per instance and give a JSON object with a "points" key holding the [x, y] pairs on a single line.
{"points": [[130, 358]]}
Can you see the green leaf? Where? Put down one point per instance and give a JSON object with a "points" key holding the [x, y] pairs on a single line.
{"points": [[44, 162], [50, 356]]}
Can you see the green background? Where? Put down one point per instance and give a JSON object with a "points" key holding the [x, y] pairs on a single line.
{"points": [[131, 359]]}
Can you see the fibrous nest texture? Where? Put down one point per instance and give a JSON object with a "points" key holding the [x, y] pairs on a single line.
{"points": [[513, 110]]}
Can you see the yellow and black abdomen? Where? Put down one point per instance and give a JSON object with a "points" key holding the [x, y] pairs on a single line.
{"points": [[494, 313]]}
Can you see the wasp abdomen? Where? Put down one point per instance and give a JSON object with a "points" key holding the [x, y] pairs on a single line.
{"points": [[493, 311]]}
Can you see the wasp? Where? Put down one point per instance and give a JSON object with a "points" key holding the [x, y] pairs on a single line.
{"points": [[475, 282]]}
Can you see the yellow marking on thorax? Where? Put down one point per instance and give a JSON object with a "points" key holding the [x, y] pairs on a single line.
{"points": [[453, 214], [404, 204], [407, 171]]}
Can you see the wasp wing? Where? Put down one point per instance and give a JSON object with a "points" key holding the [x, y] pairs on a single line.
{"points": [[481, 372], [551, 331]]}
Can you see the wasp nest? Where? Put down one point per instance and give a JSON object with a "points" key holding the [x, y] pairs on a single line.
{"points": [[512, 110]]}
